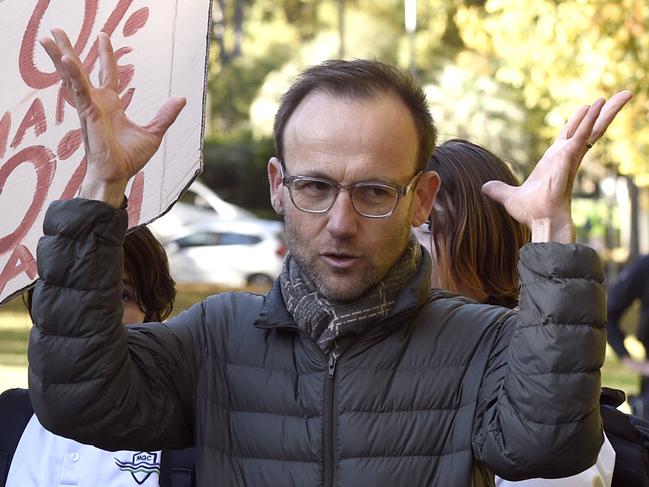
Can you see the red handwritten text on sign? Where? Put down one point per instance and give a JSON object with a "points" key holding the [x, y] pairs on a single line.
{"points": [[38, 118]]}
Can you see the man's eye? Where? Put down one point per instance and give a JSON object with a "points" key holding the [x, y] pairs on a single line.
{"points": [[127, 294], [314, 187], [318, 186], [376, 192]]}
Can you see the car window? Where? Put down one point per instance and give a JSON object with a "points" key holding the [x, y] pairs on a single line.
{"points": [[199, 239], [202, 239], [238, 239]]}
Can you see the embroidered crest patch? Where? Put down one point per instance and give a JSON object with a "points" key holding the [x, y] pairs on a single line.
{"points": [[143, 465]]}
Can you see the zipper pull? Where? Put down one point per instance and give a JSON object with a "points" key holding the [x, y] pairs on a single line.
{"points": [[332, 365]]}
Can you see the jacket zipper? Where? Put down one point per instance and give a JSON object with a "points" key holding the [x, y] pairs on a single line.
{"points": [[330, 424]]}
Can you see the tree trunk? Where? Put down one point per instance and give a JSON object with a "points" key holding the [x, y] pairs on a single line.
{"points": [[238, 28], [218, 31]]}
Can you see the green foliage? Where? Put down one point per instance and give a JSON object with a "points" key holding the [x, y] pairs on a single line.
{"points": [[235, 86], [235, 167], [563, 54]]}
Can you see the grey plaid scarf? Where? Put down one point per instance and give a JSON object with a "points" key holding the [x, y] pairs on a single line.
{"points": [[327, 321]]}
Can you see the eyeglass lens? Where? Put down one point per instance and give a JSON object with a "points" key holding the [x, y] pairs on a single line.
{"points": [[368, 199]]}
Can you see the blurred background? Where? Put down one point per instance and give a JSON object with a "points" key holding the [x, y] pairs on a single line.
{"points": [[503, 73]]}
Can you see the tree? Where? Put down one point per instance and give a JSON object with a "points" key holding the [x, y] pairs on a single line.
{"points": [[561, 54]]}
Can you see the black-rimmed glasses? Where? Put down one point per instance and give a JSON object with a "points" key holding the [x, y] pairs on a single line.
{"points": [[370, 199]]}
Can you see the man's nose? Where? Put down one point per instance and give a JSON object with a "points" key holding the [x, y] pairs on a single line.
{"points": [[343, 218]]}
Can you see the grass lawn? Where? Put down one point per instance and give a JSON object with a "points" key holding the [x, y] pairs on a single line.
{"points": [[15, 325], [14, 331]]}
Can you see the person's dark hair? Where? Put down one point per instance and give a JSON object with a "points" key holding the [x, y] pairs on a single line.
{"points": [[364, 79], [147, 268], [476, 240]]}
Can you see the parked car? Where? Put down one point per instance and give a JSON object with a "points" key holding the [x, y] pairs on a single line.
{"points": [[235, 253], [197, 203]]}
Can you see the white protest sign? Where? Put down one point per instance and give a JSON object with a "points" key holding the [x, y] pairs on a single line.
{"points": [[161, 48]]}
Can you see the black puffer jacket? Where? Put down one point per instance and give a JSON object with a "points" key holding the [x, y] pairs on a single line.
{"points": [[439, 394]]}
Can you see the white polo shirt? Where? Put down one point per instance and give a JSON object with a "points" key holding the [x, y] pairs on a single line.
{"points": [[43, 459], [599, 475]]}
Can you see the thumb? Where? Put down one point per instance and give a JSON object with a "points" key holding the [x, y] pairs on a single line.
{"points": [[497, 191], [166, 116]]}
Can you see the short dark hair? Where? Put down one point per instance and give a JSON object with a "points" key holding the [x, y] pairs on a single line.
{"points": [[476, 240], [364, 79], [147, 267]]}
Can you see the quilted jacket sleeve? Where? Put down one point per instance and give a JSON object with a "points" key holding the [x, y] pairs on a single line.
{"points": [[84, 381], [538, 413]]}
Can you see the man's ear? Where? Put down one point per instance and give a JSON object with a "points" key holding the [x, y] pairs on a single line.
{"points": [[425, 192], [275, 175]]}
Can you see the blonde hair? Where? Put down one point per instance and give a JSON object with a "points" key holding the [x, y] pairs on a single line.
{"points": [[476, 241]]}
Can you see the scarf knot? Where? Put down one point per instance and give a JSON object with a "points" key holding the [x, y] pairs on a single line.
{"points": [[328, 322]]}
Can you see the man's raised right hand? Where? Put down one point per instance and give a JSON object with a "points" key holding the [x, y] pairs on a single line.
{"points": [[116, 148]]}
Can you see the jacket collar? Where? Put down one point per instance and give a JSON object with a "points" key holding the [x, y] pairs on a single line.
{"points": [[274, 313], [275, 316]]}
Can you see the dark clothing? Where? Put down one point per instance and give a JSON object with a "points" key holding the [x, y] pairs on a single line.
{"points": [[629, 436], [15, 413], [633, 284], [443, 391], [176, 466]]}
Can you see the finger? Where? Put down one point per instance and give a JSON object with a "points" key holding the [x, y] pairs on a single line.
{"points": [[78, 80], [63, 41], [569, 128], [79, 84], [166, 116], [585, 127], [497, 191], [107, 64], [52, 50], [55, 55], [610, 110]]}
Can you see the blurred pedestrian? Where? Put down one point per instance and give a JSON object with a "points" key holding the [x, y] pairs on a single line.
{"points": [[632, 286], [37, 458]]}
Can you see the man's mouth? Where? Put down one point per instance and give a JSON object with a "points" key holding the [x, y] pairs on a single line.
{"points": [[340, 261]]}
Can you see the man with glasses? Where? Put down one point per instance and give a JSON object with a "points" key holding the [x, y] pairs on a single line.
{"points": [[348, 372]]}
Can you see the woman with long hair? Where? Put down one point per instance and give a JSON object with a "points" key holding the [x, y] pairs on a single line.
{"points": [[474, 244]]}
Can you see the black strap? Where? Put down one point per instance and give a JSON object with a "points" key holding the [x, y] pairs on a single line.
{"points": [[177, 468], [15, 412], [611, 397]]}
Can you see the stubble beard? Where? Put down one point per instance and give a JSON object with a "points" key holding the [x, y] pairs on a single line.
{"points": [[345, 286]]}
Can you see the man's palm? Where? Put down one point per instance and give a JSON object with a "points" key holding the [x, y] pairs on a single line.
{"points": [[116, 147], [546, 195]]}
